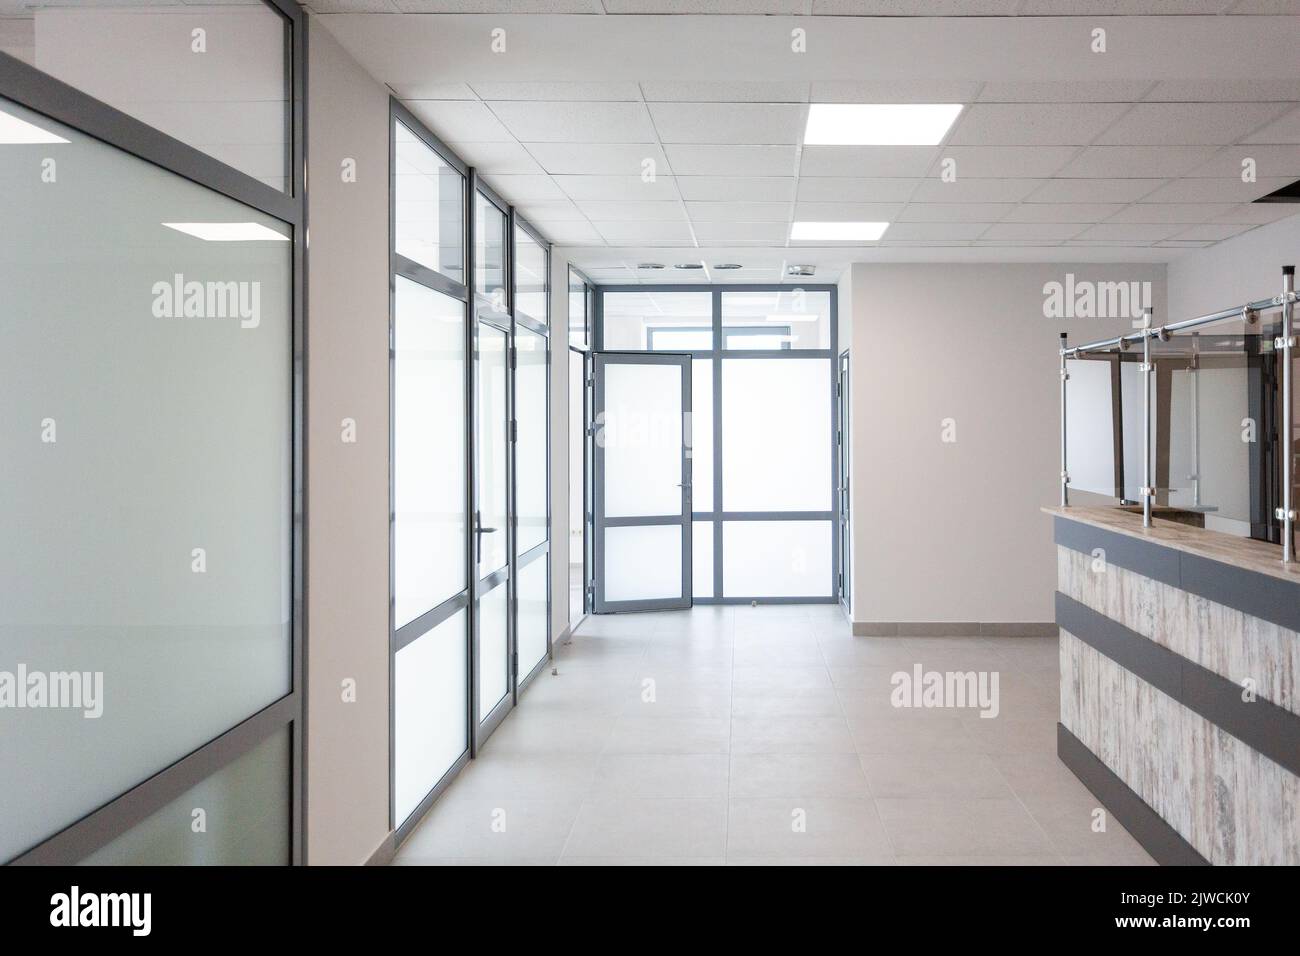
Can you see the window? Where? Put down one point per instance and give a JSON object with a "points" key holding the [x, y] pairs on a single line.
{"points": [[577, 309], [785, 319], [656, 320], [530, 276], [490, 252], [428, 207]]}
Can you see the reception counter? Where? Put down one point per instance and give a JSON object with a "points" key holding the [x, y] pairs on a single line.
{"points": [[1180, 660]]}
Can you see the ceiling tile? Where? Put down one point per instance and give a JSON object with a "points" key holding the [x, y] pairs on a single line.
{"points": [[492, 158], [557, 210], [1215, 190], [773, 7], [756, 123], [1093, 190], [894, 91], [1033, 230], [975, 190], [433, 91], [520, 190], [1224, 91], [724, 189], [1136, 162], [1213, 231], [1034, 124], [1064, 212], [560, 92], [1179, 244], [728, 92], [919, 231], [1153, 212], [1188, 124], [1124, 230], [956, 212], [1282, 160], [550, 122], [597, 159], [498, 6], [916, 8], [1285, 130], [1081, 8], [689, 160], [460, 121], [846, 212], [738, 211], [836, 189], [626, 231], [1010, 162], [630, 188], [1259, 213], [1062, 91], [880, 161], [656, 211], [569, 232], [769, 232]]}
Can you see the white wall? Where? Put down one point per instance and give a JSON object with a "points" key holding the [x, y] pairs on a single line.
{"points": [[347, 484], [953, 531], [1237, 270]]}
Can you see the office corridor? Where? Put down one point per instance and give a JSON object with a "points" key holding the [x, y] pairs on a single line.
{"points": [[767, 735]]}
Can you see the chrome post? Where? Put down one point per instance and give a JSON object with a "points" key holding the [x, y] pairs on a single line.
{"points": [[1147, 490], [1065, 472]]}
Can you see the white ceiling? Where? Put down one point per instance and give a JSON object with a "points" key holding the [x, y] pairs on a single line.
{"points": [[1115, 161]]}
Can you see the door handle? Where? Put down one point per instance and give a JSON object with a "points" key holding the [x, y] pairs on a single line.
{"points": [[479, 531]]}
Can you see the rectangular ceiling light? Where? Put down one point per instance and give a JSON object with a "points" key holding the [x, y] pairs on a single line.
{"points": [[228, 231], [19, 132], [879, 124], [837, 231]]}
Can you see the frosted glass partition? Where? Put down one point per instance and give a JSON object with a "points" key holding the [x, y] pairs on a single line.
{"points": [[492, 415], [430, 711], [577, 309], [702, 559], [701, 435], [776, 423], [490, 251], [532, 615], [793, 319], [243, 809], [530, 447], [530, 276], [494, 647], [1210, 440], [428, 449], [146, 478], [777, 558], [223, 91], [1089, 434], [643, 563], [1130, 384], [428, 207], [654, 320], [641, 434]]}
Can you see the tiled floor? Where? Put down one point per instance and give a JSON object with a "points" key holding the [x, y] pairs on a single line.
{"points": [[767, 735]]}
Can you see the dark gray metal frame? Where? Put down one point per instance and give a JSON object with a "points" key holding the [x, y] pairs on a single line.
{"points": [[719, 515], [478, 309], [685, 519], [844, 394], [584, 349], [65, 104]]}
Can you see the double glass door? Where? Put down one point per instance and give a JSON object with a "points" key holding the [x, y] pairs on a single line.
{"points": [[642, 481]]}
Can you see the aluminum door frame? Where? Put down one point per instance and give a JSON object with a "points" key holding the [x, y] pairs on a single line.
{"points": [[600, 605]]}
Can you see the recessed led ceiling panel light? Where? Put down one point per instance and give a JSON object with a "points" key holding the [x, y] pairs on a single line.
{"points": [[228, 231], [19, 132], [837, 231], [879, 124]]}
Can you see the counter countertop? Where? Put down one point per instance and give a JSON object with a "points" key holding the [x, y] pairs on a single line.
{"points": [[1246, 553]]}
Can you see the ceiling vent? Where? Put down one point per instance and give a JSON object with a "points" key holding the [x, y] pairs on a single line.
{"points": [[800, 270], [649, 265], [689, 265], [727, 265]]}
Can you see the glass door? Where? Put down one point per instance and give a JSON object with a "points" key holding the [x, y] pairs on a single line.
{"points": [[642, 481], [493, 683]]}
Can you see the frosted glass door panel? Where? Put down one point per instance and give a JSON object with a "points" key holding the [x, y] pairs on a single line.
{"points": [[530, 448], [145, 470], [1090, 430], [430, 712], [493, 649], [532, 615], [245, 814], [702, 559], [643, 563], [776, 559], [492, 476], [701, 435], [641, 434], [428, 449], [776, 417]]}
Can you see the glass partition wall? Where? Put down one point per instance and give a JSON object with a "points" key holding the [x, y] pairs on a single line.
{"points": [[172, 728], [763, 460], [470, 452]]}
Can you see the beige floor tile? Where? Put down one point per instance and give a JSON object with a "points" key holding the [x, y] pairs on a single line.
{"points": [[791, 775], [791, 735], [661, 775], [620, 827], [804, 827]]}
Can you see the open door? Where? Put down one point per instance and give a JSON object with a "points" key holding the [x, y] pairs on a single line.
{"points": [[642, 481]]}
